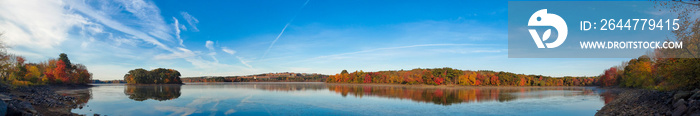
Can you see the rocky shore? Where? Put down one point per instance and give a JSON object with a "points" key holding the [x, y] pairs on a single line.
{"points": [[641, 102], [36, 100]]}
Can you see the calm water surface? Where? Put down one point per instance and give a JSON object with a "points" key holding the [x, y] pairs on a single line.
{"points": [[335, 99]]}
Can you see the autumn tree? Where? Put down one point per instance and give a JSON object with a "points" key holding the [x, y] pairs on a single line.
{"points": [[678, 68], [64, 57], [155, 76], [609, 78], [59, 72], [638, 73], [443, 76]]}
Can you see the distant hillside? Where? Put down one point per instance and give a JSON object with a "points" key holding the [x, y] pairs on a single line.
{"points": [[449, 76], [266, 77]]}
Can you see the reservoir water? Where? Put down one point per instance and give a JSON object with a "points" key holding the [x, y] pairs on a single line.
{"points": [[315, 98]]}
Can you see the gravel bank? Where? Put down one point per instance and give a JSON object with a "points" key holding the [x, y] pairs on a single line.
{"points": [[641, 102], [36, 100]]}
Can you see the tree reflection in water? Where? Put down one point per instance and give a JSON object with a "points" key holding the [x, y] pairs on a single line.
{"points": [[449, 96], [435, 95], [82, 96], [155, 92]]}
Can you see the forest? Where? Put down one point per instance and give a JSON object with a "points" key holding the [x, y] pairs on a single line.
{"points": [[449, 76], [298, 77], [155, 76], [664, 69], [16, 71]]}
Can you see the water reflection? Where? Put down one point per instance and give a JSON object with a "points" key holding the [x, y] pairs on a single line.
{"points": [[435, 95], [340, 99], [609, 96], [449, 96], [82, 96], [155, 92], [284, 87]]}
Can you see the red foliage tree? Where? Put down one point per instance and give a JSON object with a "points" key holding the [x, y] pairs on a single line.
{"points": [[60, 72], [494, 80], [609, 78], [368, 79], [438, 80], [479, 79]]}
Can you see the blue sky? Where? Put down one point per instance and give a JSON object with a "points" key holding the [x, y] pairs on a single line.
{"points": [[216, 38]]}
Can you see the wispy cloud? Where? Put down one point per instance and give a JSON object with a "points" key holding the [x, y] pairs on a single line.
{"points": [[177, 31], [230, 111], [212, 52], [284, 28], [191, 20], [244, 62], [275, 41], [103, 18], [183, 53], [148, 15], [229, 51]]}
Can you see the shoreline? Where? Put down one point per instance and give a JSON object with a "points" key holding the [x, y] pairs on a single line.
{"points": [[39, 99], [633, 101]]}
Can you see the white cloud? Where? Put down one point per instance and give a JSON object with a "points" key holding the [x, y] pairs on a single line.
{"points": [[209, 45], [36, 24], [212, 52], [183, 27], [191, 20], [93, 30], [104, 18], [119, 40], [149, 18], [229, 51], [230, 111]]}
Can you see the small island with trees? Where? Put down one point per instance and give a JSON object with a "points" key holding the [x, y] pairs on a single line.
{"points": [[155, 76]]}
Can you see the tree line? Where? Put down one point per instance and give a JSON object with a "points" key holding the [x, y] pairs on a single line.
{"points": [[297, 78], [665, 69], [155, 76], [449, 76], [14, 70]]}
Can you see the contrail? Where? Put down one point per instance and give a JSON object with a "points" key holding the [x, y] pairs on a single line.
{"points": [[285, 27]]}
